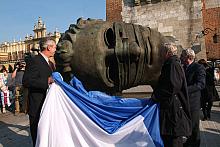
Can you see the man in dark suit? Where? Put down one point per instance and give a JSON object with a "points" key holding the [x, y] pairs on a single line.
{"points": [[37, 78], [195, 77], [171, 93]]}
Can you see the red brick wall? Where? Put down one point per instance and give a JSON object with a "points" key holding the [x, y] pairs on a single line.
{"points": [[113, 10], [211, 19]]}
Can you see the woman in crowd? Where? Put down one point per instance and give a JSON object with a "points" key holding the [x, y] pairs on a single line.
{"points": [[4, 89]]}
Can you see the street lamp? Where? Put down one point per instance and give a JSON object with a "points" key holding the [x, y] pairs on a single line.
{"points": [[206, 31]]}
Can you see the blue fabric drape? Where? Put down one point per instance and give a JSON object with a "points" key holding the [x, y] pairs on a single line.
{"points": [[112, 112]]}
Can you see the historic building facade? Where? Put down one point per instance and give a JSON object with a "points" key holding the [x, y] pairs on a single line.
{"points": [[11, 52], [194, 23]]}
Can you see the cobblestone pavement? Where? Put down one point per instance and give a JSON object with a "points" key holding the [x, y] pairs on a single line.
{"points": [[14, 129]]}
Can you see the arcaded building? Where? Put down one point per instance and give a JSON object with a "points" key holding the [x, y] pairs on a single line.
{"points": [[11, 52]]}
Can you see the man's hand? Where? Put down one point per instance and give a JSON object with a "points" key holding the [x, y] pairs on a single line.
{"points": [[154, 98], [50, 80]]}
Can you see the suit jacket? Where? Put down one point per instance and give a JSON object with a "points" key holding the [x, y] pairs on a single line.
{"points": [[36, 80], [208, 91], [171, 93], [195, 77]]}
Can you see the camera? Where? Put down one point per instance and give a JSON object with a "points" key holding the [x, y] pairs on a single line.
{"points": [[20, 65]]}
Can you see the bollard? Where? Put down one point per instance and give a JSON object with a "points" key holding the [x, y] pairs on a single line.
{"points": [[3, 109], [17, 95]]}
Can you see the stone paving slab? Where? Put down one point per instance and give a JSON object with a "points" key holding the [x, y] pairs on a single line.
{"points": [[210, 130], [14, 129]]}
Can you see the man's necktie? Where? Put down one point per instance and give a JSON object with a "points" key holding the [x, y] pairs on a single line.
{"points": [[52, 67]]}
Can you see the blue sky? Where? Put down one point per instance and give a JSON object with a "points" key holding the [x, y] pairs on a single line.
{"points": [[17, 17]]}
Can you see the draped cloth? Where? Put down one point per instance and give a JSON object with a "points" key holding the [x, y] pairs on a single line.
{"points": [[74, 117]]}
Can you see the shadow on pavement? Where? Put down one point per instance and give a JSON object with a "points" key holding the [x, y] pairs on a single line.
{"points": [[210, 138], [14, 135]]}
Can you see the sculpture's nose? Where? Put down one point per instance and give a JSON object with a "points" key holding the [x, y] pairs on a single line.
{"points": [[64, 47], [61, 51], [60, 48]]}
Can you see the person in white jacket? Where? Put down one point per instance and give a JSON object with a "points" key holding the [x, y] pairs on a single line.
{"points": [[4, 90]]}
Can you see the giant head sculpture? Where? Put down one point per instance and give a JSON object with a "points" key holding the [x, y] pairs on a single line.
{"points": [[110, 56]]}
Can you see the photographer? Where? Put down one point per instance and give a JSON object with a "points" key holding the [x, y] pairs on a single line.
{"points": [[18, 72], [17, 75]]}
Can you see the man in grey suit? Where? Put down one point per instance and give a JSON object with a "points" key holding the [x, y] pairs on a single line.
{"points": [[195, 77], [37, 78]]}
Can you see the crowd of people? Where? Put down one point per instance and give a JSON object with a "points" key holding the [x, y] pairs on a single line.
{"points": [[10, 79], [184, 87]]}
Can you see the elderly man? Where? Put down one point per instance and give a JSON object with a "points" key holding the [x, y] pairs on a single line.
{"points": [[37, 78], [171, 93], [195, 76]]}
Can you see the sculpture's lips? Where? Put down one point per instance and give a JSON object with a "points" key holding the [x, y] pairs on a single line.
{"points": [[129, 55]]}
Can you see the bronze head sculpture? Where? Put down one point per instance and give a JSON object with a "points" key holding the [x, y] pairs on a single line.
{"points": [[110, 56]]}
